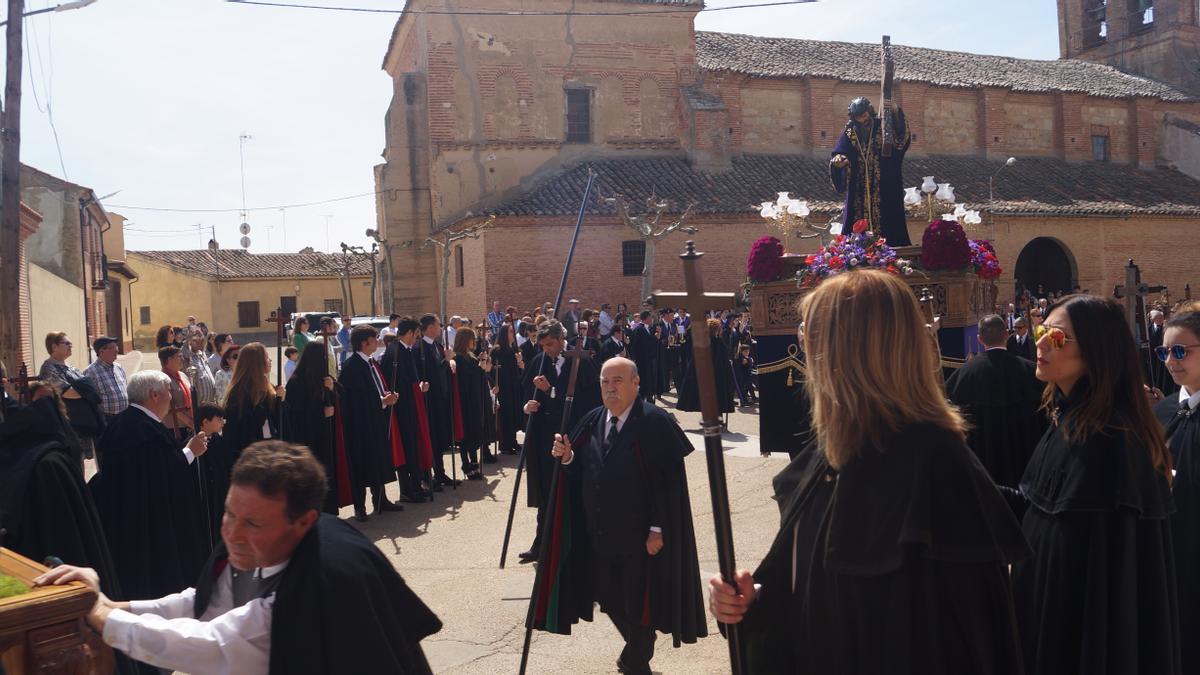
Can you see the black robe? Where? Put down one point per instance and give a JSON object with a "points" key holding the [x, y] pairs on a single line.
{"points": [[339, 608], [1100, 595], [432, 367], [607, 507], [689, 393], [900, 565], [643, 349], [305, 423], [149, 501], [365, 426], [244, 426], [548, 420], [508, 378], [1183, 434], [1027, 351], [1001, 396], [610, 348], [399, 366], [873, 184], [473, 402], [215, 467]]}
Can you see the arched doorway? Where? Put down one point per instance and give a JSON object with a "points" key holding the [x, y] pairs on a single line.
{"points": [[1048, 263]]}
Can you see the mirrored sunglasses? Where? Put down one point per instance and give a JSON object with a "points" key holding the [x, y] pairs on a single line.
{"points": [[1058, 339], [1179, 352]]}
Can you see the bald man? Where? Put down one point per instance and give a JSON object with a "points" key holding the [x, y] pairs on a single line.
{"points": [[638, 553]]}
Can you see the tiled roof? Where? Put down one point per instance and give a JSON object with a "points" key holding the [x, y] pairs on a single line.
{"points": [[239, 264], [1031, 186], [859, 62]]}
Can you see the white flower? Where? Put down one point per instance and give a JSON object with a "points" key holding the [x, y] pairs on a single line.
{"points": [[907, 270]]}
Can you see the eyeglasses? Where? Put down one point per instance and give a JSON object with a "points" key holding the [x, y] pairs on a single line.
{"points": [[66, 343], [1058, 338], [1177, 351]]}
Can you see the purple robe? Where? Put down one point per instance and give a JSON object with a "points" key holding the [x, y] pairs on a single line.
{"points": [[874, 188]]}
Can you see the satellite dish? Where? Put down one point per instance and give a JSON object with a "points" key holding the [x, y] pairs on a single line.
{"points": [[245, 242], [244, 228]]}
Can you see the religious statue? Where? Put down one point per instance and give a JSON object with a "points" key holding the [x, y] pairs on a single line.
{"points": [[862, 168]]}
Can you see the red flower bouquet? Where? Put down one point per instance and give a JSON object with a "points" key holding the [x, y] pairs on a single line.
{"points": [[944, 246], [862, 250], [984, 260], [766, 260]]}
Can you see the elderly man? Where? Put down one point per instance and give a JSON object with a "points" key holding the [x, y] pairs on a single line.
{"points": [[639, 549], [571, 317], [287, 590], [148, 495], [108, 377]]}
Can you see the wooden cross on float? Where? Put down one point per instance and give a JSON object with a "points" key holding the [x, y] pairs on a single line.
{"points": [[699, 304]]}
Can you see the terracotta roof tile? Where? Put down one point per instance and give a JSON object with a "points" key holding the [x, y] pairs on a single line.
{"points": [[859, 62], [1033, 185], [239, 264]]}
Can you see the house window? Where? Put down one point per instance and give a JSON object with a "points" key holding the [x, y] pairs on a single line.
{"points": [[633, 257], [248, 316], [459, 278], [144, 315], [333, 305], [1100, 148], [288, 304], [579, 115]]}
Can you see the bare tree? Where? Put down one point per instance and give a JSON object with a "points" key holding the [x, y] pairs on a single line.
{"points": [[445, 241], [650, 229]]}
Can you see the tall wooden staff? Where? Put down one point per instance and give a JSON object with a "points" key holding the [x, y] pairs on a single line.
{"points": [[699, 303], [576, 355], [280, 336], [562, 287]]}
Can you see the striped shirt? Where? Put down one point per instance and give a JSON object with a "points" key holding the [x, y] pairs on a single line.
{"points": [[109, 379]]}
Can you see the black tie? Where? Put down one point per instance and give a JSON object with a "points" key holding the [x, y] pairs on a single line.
{"points": [[609, 437], [244, 586]]}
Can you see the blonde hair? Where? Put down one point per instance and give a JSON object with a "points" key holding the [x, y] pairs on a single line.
{"points": [[251, 383], [871, 364]]}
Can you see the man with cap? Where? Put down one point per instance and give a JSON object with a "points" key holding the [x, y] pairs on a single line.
{"points": [[570, 318], [108, 377], [872, 183]]}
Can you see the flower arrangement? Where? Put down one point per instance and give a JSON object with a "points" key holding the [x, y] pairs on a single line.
{"points": [[983, 259], [766, 260], [944, 246], [860, 249]]}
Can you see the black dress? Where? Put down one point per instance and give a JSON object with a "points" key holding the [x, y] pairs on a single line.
{"points": [[305, 423], [1099, 596], [1182, 427], [1000, 395], [899, 565], [689, 394]]}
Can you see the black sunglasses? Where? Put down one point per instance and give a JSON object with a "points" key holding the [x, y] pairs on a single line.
{"points": [[1177, 351]]}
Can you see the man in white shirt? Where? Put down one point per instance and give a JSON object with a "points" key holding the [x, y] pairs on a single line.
{"points": [[277, 552], [606, 321]]}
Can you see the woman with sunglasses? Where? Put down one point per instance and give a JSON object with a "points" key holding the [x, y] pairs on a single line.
{"points": [[1180, 353], [1099, 596]]}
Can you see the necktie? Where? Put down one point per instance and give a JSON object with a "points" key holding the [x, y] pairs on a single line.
{"points": [[376, 377], [609, 437], [244, 586]]}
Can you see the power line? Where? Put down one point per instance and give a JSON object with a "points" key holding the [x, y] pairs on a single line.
{"points": [[460, 12], [252, 208]]}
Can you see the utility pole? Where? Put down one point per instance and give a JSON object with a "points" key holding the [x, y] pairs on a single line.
{"points": [[10, 194]]}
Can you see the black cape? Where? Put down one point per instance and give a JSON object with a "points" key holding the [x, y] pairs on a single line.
{"points": [[245, 426], [508, 378], [305, 423], [1100, 596], [689, 393], [339, 608], [1001, 396], [473, 401], [548, 420], [432, 368], [399, 366], [365, 426], [1183, 434], [148, 497], [674, 596], [900, 565]]}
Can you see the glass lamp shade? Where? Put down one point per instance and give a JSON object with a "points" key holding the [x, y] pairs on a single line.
{"points": [[928, 185], [767, 210], [972, 218], [799, 208], [783, 200], [945, 193], [912, 196]]}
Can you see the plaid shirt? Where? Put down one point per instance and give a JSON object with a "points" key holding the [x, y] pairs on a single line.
{"points": [[110, 382]]}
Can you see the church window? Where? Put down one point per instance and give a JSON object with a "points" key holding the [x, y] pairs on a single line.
{"points": [[248, 316], [144, 315], [1141, 14], [459, 276], [1100, 147], [633, 257], [579, 115], [1095, 22]]}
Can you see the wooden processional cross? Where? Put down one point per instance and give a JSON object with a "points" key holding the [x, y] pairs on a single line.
{"points": [[280, 335], [1133, 292], [699, 304]]}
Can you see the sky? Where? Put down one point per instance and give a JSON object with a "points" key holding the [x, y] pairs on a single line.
{"points": [[151, 99]]}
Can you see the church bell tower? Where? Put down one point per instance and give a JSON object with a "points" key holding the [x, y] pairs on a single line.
{"points": [[1158, 39]]}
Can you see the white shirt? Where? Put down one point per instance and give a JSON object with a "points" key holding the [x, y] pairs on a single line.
{"points": [[450, 333], [382, 390], [606, 323], [224, 640], [289, 369], [187, 452], [1193, 400]]}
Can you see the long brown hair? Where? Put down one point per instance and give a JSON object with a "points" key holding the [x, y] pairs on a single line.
{"points": [[251, 383], [1111, 393], [871, 365], [462, 342]]}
